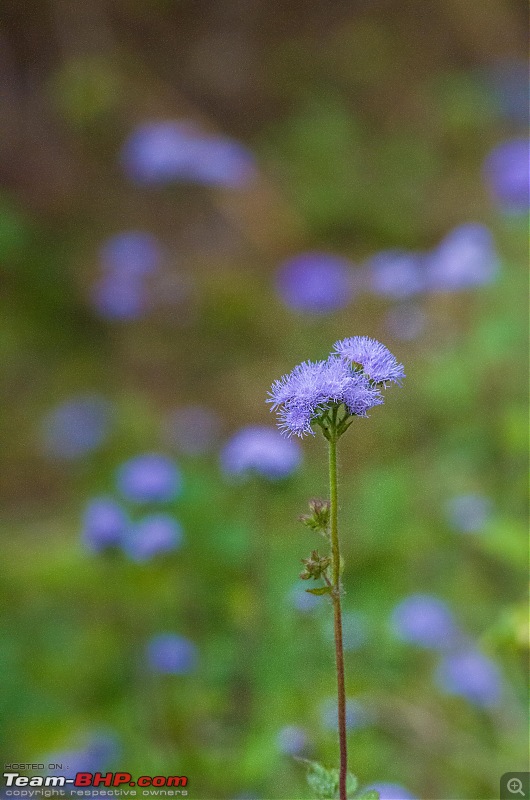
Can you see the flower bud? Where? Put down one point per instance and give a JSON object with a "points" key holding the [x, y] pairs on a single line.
{"points": [[318, 519], [314, 566]]}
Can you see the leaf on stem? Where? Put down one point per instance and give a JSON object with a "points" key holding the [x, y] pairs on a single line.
{"points": [[322, 781]]}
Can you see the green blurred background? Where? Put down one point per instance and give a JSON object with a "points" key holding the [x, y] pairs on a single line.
{"points": [[369, 124]]}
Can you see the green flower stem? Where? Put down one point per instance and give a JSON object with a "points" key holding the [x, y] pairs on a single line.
{"points": [[337, 611]]}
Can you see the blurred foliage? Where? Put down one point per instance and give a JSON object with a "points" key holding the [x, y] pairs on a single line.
{"points": [[370, 124]]}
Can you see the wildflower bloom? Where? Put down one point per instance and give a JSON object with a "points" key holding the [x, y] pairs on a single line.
{"points": [[471, 675], [171, 654], [377, 361], [262, 450], [466, 257], [315, 282], [77, 427], [308, 391], [168, 151], [506, 173], [105, 524], [152, 536], [149, 478], [424, 620], [469, 513]]}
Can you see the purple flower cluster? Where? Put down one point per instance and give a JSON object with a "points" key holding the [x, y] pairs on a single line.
{"points": [[462, 670], [376, 360], [146, 479], [171, 654], [77, 427], [168, 151], [132, 254], [105, 524], [506, 172], [150, 478], [466, 257], [151, 536], [292, 740], [396, 274], [471, 675], [424, 620], [350, 376], [127, 259], [315, 283], [319, 283], [261, 450]]}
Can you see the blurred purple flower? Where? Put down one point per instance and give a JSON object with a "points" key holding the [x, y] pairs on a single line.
{"points": [[391, 791], [169, 151], [171, 654], [99, 753], [303, 601], [193, 429], [506, 172], [472, 675], [426, 621], [105, 524], [154, 535], [357, 715], [509, 81], [77, 427], [396, 274], [261, 450], [291, 740], [405, 322], [150, 478], [465, 258], [316, 283], [120, 297], [377, 361], [132, 254], [469, 512]]}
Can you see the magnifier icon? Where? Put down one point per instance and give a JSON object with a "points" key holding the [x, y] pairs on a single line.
{"points": [[515, 786]]}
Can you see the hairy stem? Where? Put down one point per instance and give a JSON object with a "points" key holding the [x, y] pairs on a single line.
{"points": [[337, 612]]}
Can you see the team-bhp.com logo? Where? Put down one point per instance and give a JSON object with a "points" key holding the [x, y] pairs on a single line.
{"points": [[25, 786]]}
